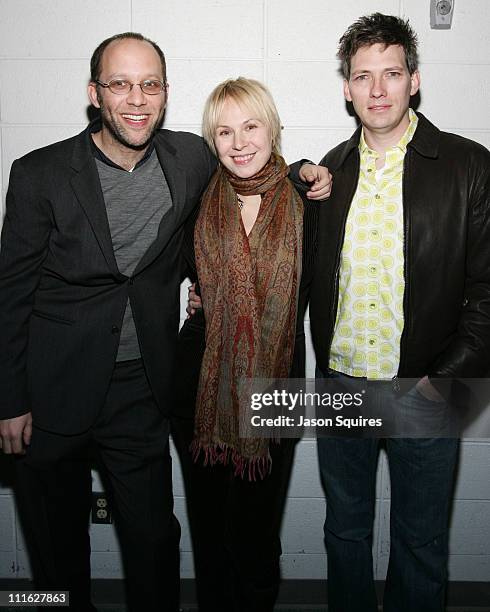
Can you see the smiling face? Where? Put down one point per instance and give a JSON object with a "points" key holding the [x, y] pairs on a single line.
{"points": [[243, 142], [129, 120], [379, 88]]}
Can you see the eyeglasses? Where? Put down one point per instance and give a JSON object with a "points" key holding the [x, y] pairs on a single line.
{"points": [[121, 87]]}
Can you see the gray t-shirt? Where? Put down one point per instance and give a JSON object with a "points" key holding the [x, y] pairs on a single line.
{"points": [[135, 202]]}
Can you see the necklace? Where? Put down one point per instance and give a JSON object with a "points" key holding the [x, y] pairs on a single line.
{"points": [[240, 202]]}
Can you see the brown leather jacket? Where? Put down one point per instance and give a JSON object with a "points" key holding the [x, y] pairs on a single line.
{"points": [[446, 207]]}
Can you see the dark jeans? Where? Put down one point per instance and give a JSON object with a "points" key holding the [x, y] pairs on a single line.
{"points": [[235, 527], [53, 488], [421, 475]]}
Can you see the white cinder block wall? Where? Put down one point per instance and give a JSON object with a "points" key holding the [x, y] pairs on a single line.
{"points": [[45, 47]]}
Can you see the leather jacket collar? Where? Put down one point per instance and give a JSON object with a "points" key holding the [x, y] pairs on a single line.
{"points": [[425, 141]]}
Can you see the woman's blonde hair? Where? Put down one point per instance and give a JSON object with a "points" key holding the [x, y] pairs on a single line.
{"points": [[245, 92]]}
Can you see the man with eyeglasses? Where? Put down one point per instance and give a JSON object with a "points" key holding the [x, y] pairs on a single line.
{"points": [[89, 313]]}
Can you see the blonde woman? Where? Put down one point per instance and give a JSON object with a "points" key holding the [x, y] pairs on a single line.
{"points": [[251, 251]]}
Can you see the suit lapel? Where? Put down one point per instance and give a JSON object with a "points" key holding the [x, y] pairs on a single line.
{"points": [[86, 186], [176, 180]]}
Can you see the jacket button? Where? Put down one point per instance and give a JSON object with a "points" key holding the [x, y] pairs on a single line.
{"points": [[114, 329], [131, 281], [465, 302]]}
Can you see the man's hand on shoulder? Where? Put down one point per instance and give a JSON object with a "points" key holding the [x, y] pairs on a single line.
{"points": [[319, 179], [15, 434]]}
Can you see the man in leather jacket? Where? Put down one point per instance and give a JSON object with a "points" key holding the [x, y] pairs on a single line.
{"points": [[401, 290]]}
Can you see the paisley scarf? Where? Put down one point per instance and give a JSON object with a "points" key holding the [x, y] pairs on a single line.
{"points": [[249, 289]]}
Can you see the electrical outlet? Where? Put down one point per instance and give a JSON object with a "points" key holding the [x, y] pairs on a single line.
{"points": [[101, 511], [441, 14]]}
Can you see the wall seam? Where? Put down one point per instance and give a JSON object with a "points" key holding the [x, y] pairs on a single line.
{"points": [[225, 59], [265, 50]]}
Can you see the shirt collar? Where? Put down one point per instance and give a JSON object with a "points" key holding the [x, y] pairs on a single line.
{"points": [[401, 144]]}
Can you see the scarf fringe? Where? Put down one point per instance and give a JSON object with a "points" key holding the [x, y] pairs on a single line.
{"points": [[255, 468]]}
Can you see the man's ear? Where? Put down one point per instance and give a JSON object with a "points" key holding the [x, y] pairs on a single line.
{"points": [[414, 82], [347, 95], [167, 88], [92, 94]]}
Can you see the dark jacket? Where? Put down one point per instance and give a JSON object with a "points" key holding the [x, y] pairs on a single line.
{"points": [[62, 297], [446, 207]]}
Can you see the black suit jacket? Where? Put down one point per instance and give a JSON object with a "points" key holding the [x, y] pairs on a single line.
{"points": [[62, 297]]}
